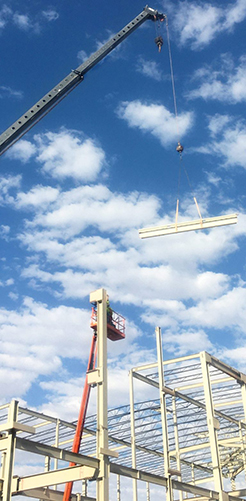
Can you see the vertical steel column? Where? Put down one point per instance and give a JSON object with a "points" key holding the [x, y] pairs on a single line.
{"points": [[193, 473], [213, 426], [57, 445], [176, 437], [118, 488], [243, 448], [133, 436], [147, 491], [243, 391], [10, 452], [100, 296], [169, 495], [84, 488]]}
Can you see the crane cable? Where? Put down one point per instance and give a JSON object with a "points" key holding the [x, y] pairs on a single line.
{"points": [[179, 147]]}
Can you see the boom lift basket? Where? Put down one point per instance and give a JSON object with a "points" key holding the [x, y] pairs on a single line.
{"points": [[115, 326]]}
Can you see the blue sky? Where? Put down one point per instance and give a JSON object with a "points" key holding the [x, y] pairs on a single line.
{"points": [[76, 189]]}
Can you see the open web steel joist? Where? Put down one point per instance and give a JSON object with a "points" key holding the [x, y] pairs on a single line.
{"points": [[186, 439]]}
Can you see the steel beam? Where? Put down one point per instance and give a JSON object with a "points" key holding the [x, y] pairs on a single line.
{"points": [[55, 452], [47, 494], [55, 477], [198, 224], [182, 396]]}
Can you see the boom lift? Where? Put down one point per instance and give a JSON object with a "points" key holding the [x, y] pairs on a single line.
{"points": [[52, 98], [115, 332]]}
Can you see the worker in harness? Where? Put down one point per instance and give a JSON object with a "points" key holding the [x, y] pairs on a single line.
{"points": [[109, 313]]}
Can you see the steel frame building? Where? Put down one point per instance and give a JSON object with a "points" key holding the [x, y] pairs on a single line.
{"points": [[187, 438]]}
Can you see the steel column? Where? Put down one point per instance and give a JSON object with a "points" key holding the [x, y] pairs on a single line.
{"points": [[163, 414], [8, 465], [57, 445], [100, 296], [176, 437], [133, 436], [213, 425], [118, 488]]}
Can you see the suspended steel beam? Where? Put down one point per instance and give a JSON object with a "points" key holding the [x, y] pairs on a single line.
{"points": [[198, 224]]}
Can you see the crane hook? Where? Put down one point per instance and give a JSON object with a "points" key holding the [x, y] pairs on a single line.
{"points": [[159, 42], [180, 149]]}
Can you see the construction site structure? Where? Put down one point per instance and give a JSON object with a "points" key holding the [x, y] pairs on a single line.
{"points": [[187, 439]]}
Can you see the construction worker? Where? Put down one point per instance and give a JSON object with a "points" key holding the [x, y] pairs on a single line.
{"points": [[109, 313]]}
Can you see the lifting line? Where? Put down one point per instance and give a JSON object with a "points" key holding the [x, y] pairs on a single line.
{"points": [[188, 225], [179, 148]]}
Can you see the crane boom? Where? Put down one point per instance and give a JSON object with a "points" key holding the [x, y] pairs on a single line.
{"points": [[55, 95]]}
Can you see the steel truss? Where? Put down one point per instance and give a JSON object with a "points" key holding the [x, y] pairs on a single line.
{"points": [[188, 438]]}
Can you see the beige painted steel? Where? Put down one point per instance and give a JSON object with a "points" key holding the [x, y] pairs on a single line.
{"points": [[133, 435], [48, 494], [100, 296], [198, 224], [176, 437], [227, 447], [52, 477], [162, 393], [8, 465], [13, 425], [213, 426]]}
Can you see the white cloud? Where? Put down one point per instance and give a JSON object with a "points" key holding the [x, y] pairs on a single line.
{"points": [[6, 91], [4, 231], [235, 356], [39, 197], [156, 119], [50, 14], [228, 141], [198, 23], [23, 150], [227, 311], [149, 69], [95, 206], [217, 123], [5, 14], [63, 397], [186, 341], [234, 14], [226, 84], [82, 56], [65, 155], [28, 350], [7, 185], [22, 21]]}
